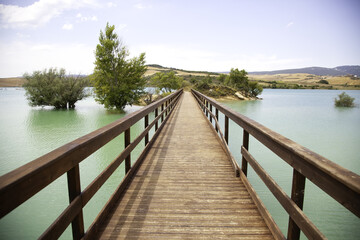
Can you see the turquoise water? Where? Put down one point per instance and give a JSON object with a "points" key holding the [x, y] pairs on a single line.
{"points": [[309, 118], [305, 116], [27, 133]]}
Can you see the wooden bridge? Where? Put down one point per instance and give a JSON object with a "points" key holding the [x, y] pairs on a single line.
{"points": [[185, 183]]}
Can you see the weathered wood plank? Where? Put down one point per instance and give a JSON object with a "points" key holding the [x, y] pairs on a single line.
{"points": [[182, 190]]}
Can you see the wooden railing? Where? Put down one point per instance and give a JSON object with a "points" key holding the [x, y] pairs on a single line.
{"points": [[21, 184], [338, 182]]}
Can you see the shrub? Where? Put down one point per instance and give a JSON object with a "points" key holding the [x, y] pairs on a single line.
{"points": [[323, 81], [255, 89], [54, 88], [344, 100]]}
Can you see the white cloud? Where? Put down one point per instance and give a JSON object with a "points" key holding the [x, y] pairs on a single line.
{"points": [[142, 6], [75, 58], [193, 58], [289, 24], [37, 14], [139, 6], [85, 19], [67, 26], [111, 4]]}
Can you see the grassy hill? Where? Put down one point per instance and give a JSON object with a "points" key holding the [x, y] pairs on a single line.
{"points": [[11, 82], [290, 78], [304, 80], [320, 71]]}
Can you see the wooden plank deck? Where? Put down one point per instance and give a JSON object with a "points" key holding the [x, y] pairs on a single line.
{"points": [[185, 189]]}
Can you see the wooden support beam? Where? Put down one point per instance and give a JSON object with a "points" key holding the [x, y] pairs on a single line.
{"points": [[127, 143], [162, 115], [226, 131], [244, 163], [146, 120], [217, 118], [156, 114], [297, 195], [74, 188]]}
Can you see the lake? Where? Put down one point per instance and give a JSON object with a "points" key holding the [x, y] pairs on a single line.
{"points": [[308, 117]]}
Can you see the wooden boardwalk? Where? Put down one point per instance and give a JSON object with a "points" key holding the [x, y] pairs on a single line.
{"points": [[185, 188]]}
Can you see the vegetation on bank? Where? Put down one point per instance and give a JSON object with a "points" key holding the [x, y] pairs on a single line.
{"points": [[235, 84], [344, 100], [54, 88], [166, 81]]}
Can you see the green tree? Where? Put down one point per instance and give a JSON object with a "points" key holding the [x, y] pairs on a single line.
{"points": [[117, 81], [344, 100], [166, 81], [54, 88], [238, 79]]}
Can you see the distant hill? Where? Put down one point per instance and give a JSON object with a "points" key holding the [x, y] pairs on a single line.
{"points": [[12, 82], [321, 71], [353, 70]]}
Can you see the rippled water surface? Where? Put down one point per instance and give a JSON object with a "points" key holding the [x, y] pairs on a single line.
{"points": [[306, 116]]}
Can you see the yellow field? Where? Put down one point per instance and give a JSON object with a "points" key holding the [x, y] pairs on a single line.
{"points": [[152, 70], [308, 79], [11, 82]]}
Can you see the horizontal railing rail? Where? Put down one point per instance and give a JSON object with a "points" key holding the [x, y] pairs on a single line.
{"points": [[338, 182], [21, 184]]}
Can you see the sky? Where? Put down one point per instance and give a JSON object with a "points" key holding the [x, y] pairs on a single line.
{"points": [[210, 35]]}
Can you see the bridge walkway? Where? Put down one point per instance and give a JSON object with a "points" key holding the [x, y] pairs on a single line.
{"points": [[185, 188]]}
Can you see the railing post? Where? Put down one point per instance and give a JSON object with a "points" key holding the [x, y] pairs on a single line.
{"points": [[211, 113], [74, 188], [207, 106], [244, 163], [217, 118], [128, 158], [156, 123], [226, 129], [166, 105], [146, 125], [162, 114], [297, 195]]}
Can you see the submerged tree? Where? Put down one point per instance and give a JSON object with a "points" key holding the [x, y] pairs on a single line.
{"points": [[54, 88], [117, 81], [344, 100]]}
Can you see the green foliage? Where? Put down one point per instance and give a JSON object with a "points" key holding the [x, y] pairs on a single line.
{"points": [[255, 89], [117, 81], [238, 79], [222, 78], [53, 88], [166, 81], [214, 90], [203, 83], [344, 100], [323, 81]]}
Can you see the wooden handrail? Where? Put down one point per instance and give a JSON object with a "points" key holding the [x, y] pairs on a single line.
{"points": [[21, 184], [338, 182]]}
